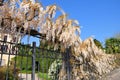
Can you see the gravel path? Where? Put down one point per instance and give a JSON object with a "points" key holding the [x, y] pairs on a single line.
{"points": [[27, 77], [114, 75]]}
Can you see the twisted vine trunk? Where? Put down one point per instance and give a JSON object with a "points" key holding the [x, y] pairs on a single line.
{"points": [[62, 73]]}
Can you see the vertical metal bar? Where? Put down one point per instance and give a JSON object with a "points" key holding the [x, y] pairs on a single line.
{"points": [[38, 63], [68, 63], [33, 61], [46, 57], [43, 58], [47, 65], [15, 64], [21, 61], [1, 55], [27, 63], [1, 58], [7, 70], [2, 50]]}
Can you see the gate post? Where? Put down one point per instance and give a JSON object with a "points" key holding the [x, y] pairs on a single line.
{"points": [[33, 61], [68, 64]]}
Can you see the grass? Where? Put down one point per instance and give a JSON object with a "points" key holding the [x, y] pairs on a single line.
{"points": [[24, 71], [27, 71], [43, 76]]}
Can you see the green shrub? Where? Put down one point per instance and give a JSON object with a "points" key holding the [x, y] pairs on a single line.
{"points": [[3, 71], [98, 44], [112, 45], [23, 63], [54, 69]]}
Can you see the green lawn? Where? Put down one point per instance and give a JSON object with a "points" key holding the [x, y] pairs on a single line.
{"points": [[28, 71], [43, 76], [40, 75], [24, 71]]}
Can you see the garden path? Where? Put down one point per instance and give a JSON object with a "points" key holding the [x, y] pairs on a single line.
{"points": [[28, 77], [114, 75]]}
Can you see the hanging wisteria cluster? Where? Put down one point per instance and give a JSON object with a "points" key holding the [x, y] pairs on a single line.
{"points": [[30, 15]]}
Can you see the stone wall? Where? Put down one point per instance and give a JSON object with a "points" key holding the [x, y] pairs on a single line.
{"points": [[90, 63]]}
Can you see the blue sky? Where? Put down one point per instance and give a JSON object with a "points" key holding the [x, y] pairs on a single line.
{"points": [[98, 18]]}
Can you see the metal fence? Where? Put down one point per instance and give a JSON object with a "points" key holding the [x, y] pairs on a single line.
{"points": [[25, 62]]}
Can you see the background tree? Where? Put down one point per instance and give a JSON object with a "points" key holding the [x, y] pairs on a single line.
{"points": [[112, 45], [98, 43]]}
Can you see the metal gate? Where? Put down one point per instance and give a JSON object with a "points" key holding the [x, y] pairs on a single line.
{"points": [[25, 62]]}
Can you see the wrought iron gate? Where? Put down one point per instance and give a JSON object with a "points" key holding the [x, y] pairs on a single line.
{"points": [[25, 62]]}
